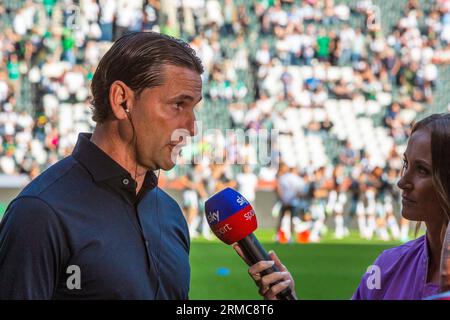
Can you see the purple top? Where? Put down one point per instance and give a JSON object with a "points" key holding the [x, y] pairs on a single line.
{"points": [[399, 273]]}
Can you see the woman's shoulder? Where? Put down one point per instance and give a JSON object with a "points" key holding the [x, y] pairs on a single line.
{"points": [[397, 254], [394, 274]]}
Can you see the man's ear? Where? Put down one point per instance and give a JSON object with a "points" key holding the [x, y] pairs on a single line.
{"points": [[120, 99]]}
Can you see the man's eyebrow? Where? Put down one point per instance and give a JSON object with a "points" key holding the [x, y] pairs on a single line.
{"points": [[185, 97]]}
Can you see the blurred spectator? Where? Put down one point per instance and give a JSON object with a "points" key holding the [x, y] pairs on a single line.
{"points": [[247, 183]]}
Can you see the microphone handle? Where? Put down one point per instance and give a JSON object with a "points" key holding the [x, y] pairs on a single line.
{"points": [[254, 252]]}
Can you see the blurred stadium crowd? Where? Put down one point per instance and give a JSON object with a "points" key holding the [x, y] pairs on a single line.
{"points": [[341, 88]]}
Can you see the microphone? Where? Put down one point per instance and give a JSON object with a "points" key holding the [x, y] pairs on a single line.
{"points": [[232, 219]]}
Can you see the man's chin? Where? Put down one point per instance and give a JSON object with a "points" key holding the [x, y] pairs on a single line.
{"points": [[160, 165], [167, 166]]}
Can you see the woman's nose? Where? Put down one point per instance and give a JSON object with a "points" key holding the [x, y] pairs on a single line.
{"points": [[404, 183]]}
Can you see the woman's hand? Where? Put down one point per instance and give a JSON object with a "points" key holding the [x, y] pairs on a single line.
{"points": [[264, 282]]}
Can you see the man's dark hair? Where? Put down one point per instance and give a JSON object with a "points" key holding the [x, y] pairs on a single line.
{"points": [[138, 60]]}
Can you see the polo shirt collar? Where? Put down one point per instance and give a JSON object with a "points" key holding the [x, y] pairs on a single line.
{"points": [[104, 169]]}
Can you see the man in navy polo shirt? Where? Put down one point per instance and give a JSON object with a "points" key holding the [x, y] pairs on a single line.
{"points": [[95, 225]]}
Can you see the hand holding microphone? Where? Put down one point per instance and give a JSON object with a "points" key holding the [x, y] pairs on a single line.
{"points": [[233, 220], [270, 284]]}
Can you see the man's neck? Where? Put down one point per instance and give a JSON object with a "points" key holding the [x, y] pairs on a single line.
{"points": [[120, 152]]}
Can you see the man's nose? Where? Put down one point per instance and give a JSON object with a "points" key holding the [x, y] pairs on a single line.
{"points": [[191, 124]]}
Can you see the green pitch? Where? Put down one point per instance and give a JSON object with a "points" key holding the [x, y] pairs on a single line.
{"points": [[329, 270]]}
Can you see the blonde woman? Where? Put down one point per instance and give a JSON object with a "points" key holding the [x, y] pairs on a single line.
{"points": [[412, 270]]}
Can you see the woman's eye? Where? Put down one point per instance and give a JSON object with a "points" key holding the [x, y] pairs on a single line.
{"points": [[422, 170]]}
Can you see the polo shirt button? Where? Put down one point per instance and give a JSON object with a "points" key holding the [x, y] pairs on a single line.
{"points": [[146, 244], [125, 181]]}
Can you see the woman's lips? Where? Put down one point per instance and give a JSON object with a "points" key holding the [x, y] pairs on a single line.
{"points": [[406, 200]]}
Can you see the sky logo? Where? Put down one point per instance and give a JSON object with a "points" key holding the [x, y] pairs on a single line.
{"points": [[241, 200], [213, 217]]}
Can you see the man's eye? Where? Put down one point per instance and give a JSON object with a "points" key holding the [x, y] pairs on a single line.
{"points": [[179, 105]]}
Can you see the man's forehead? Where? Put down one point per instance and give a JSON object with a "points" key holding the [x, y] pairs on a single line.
{"points": [[183, 76], [184, 82], [171, 69]]}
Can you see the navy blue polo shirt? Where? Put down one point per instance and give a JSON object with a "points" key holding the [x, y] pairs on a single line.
{"points": [[81, 220]]}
